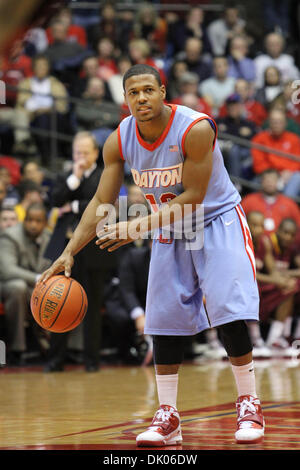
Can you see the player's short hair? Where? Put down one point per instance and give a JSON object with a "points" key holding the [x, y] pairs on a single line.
{"points": [[141, 69]]}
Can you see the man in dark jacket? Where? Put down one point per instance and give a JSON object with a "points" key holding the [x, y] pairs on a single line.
{"points": [[71, 194]]}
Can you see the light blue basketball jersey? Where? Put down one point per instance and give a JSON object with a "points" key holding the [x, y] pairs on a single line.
{"points": [[157, 168]]}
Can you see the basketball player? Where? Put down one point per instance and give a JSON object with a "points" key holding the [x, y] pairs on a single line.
{"points": [[175, 159]]}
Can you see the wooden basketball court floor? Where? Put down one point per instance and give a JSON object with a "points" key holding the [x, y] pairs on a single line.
{"points": [[76, 410]]}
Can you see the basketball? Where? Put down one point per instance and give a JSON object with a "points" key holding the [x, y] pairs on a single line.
{"points": [[59, 304]]}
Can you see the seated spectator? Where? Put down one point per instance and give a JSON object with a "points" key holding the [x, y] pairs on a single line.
{"points": [[140, 53], [271, 88], [192, 100], [216, 89], [22, 259], [106, 58], [126, 300], [108, 26], [188, 94], [194, 59], [252, 109], [32, 171], [150, 26], [89, 69], [75, 33], [63, 54], [291, 124], [177, 69], [30, 193], [40, 96], [271, 203], [275, 56], [13, 71], [8, 218], [237, 157], [191, 26], [115, 82], [277, 138], [240, 64], [94, 113], [274, 256], [12, 196], [222, 30]]}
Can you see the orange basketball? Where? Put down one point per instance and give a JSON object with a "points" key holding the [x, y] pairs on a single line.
{"points": [[59, 304]]}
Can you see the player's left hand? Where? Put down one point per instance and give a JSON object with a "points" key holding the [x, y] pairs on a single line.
{"points": [[114, 236]]}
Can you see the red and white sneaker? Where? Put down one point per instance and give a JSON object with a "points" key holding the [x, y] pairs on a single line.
{"points": [[250, 421], [164, 430]]}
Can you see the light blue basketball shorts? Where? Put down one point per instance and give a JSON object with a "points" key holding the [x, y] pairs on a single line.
{"points": [[192, 290]]}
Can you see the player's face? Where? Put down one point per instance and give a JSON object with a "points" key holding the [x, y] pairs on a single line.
{"points": [[34, 223], [144, 97]]}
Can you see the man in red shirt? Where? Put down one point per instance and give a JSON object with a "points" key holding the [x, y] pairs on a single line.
{"points": [[277, 138], [271, 203]]}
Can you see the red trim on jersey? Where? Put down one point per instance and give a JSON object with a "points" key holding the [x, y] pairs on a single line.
{"points": [[157, 143], [120, 143], [192, 124], [247, 239]]}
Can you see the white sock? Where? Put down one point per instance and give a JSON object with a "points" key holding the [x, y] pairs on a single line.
{"points": [[275, 332], [297, 330], [167, 389], [245, 379], [287, 326]]}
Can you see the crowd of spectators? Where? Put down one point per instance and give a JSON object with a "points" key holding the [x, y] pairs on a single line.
{"points": [[64, 97]]}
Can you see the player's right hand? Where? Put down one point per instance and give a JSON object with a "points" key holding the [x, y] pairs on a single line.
{"points": [[63, 263]]}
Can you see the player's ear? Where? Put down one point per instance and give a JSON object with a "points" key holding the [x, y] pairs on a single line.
{"points": [[163, 91]]}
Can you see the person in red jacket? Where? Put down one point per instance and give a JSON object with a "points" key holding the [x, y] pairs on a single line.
{"points": [[271, 203], [277, 138]]}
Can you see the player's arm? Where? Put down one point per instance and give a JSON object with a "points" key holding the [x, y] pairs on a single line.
{"points": [[106, 194], [197, 170]]}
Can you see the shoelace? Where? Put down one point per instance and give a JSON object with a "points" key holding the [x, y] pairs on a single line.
{"points": [[162, 416], [246, 405]]}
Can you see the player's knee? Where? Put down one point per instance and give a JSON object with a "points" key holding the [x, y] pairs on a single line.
{"points": [[168, 349], [235, 338]]}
